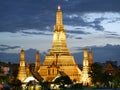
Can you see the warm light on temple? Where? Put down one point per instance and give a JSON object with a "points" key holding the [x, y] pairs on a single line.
{"points": [[59, 55], [59, 59], [59, 7]]}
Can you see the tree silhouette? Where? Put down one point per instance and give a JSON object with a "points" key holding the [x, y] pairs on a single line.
{"points": [[96, 73], [63, 80]]}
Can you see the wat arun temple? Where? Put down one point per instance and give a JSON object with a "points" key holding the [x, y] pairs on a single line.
{"points": [[58, 60]]}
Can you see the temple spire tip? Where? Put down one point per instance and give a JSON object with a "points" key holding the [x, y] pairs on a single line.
{"points": [[59, 7]]}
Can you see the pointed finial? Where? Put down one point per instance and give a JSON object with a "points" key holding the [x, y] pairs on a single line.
{"points": [[37, 52], [58, 7], [90, 49], [22, 50]]}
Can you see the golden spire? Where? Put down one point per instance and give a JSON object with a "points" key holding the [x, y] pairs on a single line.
{"points": [[37, 62], [85, 75], [59, 16], [22, 73], [90, 57], [85, 60], [59, 57], [22, 58], [59, 35], [22, 55]]}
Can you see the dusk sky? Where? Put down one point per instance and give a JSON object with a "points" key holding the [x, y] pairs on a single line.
{"points": [[28, 24]]}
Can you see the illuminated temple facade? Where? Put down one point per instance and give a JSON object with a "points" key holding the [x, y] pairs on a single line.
{"points": [[59, 58], [22, 75], [87, 62]]}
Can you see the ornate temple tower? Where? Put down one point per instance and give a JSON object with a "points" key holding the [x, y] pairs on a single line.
{"points": [[59, 57], [37, 62], [85, 71], [90, 57], [22, 71], [90, 63]]}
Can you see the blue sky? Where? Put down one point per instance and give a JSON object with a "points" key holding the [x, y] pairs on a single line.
{"points": [[28, 24]]}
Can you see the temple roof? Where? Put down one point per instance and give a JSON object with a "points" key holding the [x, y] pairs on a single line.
{"points": [[30, 78]]}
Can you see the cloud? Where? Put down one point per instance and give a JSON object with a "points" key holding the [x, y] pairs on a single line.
{"points": [[101, 53], [77, 32], [112, 35], [7, 47], [96, 24], [69, 36], [78, 38], [36, 33], [94, 5], [15, 57], [23, 15], [28, 14], [81, 20], [117, 19]]}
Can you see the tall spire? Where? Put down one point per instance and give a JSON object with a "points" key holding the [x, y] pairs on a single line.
{"points": [[37, 62], [22, 58], [85, 60], [59, 35], [85, 76], [22, 73], [59, 16], [90, 57], [59, 57]]}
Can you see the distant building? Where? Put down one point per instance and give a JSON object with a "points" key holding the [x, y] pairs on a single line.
{"points": [[4, 70], [110, 68]]}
